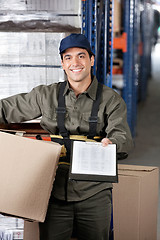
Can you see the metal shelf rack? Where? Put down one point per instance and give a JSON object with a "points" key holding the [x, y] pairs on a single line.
{"points": [[135, 42], [130, 61], [146, 39], [97, 25]]}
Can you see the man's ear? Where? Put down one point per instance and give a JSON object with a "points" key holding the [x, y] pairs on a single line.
{"points": [[92, 60]]}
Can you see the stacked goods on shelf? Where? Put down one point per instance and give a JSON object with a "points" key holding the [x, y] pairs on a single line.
{"points": [[33, 14], [11, 228], [28, 59], [30, 33], [117, 18]]}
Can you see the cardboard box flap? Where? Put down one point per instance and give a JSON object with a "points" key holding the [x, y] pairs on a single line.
{"points": [[136, 168]]}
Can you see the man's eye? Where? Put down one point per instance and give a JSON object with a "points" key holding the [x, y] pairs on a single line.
{"points": [[81, 56], [67, 58]]}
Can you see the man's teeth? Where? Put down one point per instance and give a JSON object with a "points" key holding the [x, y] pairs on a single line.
{"points": [[76, 70]]}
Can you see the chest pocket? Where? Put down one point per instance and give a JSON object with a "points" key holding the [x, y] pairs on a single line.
{"points": [[49, 120]]}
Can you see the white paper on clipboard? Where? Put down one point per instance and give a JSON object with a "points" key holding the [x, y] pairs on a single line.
{"points": [[92, 158]]}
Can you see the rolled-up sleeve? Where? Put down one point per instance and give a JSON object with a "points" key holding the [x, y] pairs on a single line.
{"points": [[20, 107]]}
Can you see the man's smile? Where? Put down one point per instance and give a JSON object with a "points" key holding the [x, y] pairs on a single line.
{"points": [[76, 70]]}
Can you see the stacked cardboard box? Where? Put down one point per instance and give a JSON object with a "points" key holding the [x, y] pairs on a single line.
{"points": [[28, 59], [135, 203], [117, 17], [11, 228], [64, 12]]}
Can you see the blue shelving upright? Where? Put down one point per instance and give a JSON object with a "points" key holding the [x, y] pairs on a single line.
{"points": [[146, 38], [131, 60], [97, 26]]}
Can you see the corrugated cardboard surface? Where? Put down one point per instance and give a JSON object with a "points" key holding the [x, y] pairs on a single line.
{"points": [[28, 169], [135, 203], [31, 231], [117, 16]]}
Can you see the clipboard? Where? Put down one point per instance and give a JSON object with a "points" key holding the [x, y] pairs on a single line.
{"points": [[90, 161]]}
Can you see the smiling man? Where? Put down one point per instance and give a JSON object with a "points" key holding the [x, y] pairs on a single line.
{"points": [[77, 64], [79, 106]]}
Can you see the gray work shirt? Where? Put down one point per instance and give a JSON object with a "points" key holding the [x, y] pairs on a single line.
{"points": [[42, 101]]}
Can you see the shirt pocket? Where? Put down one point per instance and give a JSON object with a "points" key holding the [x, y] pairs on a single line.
{"points": [[84, 123], [52, 114], [49, 120]]}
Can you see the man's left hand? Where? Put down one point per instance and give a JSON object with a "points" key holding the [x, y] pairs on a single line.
{"points": [[105, 142]]}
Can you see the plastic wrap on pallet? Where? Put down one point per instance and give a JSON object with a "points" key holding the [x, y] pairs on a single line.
{"points": [[11, 222], [22, 13], [30, 48], [56, 24], [28, 59], [5, 234], [62, 6], [11, 234], [16, 233], [11, 228], [16, 80]]}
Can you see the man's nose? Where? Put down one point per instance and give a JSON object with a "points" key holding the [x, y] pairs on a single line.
{"points": [[75, 61]]}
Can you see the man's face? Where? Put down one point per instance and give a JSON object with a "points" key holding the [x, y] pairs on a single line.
{"points": [[77, 64]]}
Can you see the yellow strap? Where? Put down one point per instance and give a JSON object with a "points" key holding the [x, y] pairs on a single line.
{"points": [[78, 137], [66, 163]]}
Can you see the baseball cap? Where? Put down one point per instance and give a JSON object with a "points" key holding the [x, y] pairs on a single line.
{"points": [[75, 40]]}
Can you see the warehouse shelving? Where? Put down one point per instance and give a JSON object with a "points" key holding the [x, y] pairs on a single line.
{"points": [[97, 26], [146, 39], [135, 43], [130, 83]]}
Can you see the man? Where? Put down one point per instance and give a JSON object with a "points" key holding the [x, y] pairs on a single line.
{"points": [[70, 108]]}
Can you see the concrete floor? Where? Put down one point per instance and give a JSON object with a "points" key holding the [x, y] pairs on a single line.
{"points": [[147, 140]]}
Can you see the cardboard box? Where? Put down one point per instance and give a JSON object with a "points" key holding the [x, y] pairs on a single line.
{"points": [[28, 169], [29, 59], [135, 203], [117, 16], [31, 231]]}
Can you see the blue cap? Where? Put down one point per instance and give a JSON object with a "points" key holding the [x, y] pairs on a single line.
{"points": [[75, 40]]}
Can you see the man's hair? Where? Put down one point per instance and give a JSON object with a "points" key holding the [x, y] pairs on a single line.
{"points": [[90, 54]]}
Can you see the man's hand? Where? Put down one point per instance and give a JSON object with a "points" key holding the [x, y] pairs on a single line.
{"points": [[105, 142]]}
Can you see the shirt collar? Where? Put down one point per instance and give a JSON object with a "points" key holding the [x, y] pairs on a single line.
{"points": [[91, 91], [66, 88]]}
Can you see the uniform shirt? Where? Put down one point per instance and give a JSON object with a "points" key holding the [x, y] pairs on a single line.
{"points": [[42, 101]]}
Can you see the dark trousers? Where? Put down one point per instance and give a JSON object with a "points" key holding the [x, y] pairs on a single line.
{"points": [[91, 217]]}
